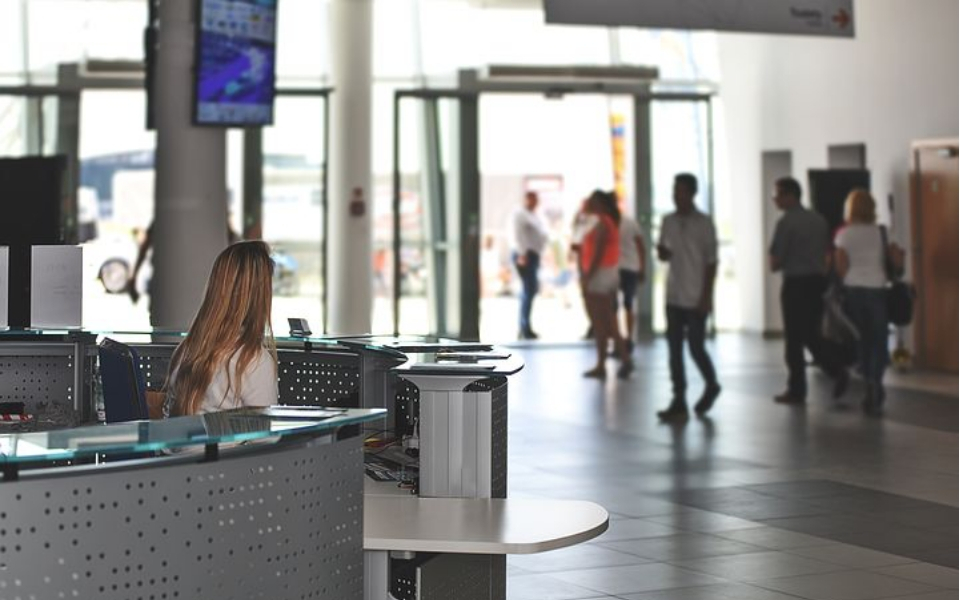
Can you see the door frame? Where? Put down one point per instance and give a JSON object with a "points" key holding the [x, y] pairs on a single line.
{"points": [[467, 94]]}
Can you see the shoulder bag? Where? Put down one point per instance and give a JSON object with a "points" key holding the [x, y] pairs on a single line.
{"points": [[899, 293]]}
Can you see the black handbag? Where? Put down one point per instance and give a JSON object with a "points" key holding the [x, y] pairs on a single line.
{"points": [[900, 294]]}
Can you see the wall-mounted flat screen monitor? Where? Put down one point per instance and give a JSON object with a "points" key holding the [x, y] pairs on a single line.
{"points": [[235, 62]]}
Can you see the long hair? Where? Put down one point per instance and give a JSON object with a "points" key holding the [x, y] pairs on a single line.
{"points": [[234, 320], [860, 207], [611, 205]]}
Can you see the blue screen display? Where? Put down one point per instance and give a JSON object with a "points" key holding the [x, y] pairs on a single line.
{"points": [[236, 61]]}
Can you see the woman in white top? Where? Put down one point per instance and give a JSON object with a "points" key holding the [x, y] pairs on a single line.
{"points": [[633, 258], [861, 259], [229, 358]]}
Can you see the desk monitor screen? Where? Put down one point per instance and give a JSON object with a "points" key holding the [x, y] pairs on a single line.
{"points": [[235, 62]]}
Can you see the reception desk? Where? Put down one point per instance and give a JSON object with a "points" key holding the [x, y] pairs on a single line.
{"points": [[237, 504], [442, 405]]}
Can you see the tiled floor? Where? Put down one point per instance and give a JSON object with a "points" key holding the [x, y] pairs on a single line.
{"points": [[756, 502]]}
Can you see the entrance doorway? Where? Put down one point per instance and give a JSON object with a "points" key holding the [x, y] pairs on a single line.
{"points": [[455, 187]]}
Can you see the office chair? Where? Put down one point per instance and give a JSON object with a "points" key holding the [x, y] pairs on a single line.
{"points": [[124, 390]]}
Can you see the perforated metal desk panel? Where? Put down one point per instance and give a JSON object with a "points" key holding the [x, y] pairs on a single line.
{"points": [[278, 519], [49, 372]]}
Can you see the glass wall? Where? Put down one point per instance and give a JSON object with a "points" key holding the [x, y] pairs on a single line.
{"points": [[415, 42], [13, 123], [292, 212], [116, 206]]}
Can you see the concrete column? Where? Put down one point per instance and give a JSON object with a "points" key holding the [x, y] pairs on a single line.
{"points": [[190, 214], [351, 233]]}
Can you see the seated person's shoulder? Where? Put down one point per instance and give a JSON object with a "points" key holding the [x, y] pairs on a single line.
{"points": [[260, 385]]}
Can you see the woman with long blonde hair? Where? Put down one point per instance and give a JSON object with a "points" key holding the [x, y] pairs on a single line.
{"points": [[229, 358], [863, 260]]}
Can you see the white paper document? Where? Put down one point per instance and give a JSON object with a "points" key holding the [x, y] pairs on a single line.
{"points": [[56, 286]]}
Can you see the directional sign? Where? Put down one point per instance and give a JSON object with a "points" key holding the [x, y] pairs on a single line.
{"points": [[804, 17]]}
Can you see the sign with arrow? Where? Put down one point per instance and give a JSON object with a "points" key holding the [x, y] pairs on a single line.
{"points": [[832, 18]]}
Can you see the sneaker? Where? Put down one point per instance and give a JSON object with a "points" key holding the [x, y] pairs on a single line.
{"points": [[841, 383], [677, 411], [597, 373], [787, 398], [709, 396], [626, 367]]}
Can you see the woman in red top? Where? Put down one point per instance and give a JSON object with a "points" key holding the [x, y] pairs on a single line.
{"points": [[600, 279]]}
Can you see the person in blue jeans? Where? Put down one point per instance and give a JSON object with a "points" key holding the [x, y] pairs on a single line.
{"points": [[529, 236], [863, 261]]}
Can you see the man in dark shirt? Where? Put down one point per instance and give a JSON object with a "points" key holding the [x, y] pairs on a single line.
{"points": [[800, 246]]}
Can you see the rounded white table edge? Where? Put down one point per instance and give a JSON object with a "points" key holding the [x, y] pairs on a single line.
{"points": [[479, 526]]}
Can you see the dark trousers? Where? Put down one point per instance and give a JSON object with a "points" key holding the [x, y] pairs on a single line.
{"points": [[690, 324], [529, 277], [801, 299], [867, 308]]}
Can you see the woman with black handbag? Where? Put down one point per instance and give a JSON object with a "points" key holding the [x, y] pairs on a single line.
{"points": [[864, 259]]}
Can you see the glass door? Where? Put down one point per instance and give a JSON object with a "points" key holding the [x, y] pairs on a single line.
{"points": [[682, 141], [433, 255]]}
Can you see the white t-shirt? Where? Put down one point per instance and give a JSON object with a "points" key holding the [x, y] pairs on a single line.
{"points": [[582, 226], [692, 239], [259, 387], [629, 232], [529, 232], [865, 253]]}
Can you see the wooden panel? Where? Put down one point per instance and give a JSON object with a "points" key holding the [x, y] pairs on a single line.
{"points": [[935, 225]]}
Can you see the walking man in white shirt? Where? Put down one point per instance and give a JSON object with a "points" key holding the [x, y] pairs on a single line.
{"points": [[688, 241], [529, 237]]}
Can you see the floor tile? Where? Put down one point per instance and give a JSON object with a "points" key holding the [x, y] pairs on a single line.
{"points": [[723, 591], [890, 538], [703, 521], [823, 525], [545, 587], [924, 573], [757, 565], [851, 556], [685, 546], [639, 578], [817, 484], [582, 556], [800, 490], [769, 508], [773, 538], [846, 585], [945, 556], [941, 595], [630, 529]]}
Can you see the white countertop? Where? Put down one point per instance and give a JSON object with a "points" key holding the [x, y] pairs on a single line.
{"points": [[477, 526]]}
